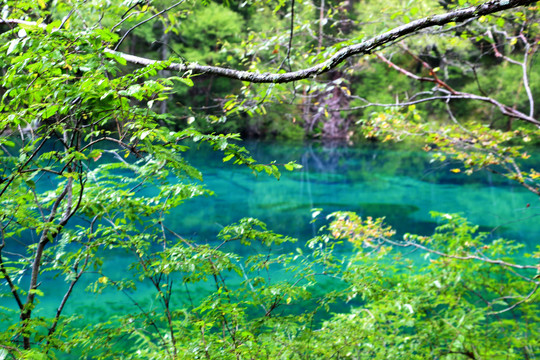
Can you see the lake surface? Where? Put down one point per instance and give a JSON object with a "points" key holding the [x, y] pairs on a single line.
{"points": [[373, 180]]}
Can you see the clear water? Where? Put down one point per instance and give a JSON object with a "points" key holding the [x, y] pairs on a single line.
{"points": [[404, 186], [373, 180]]}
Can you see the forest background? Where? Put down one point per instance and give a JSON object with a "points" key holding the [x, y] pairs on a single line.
{"points": [[87, 108]]}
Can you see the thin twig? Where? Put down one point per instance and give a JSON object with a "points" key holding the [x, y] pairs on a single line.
{"points": [[526, 298], [457, 257], [145, 21]]}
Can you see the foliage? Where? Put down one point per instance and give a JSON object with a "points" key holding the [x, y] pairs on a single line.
{"points": [[475, 146], [91, 169], [452, 302], [53, 175], [210, 33]]}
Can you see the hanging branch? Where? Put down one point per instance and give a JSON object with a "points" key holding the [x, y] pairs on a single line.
{"points": [[524, 65], [365, 47], [289, 45], [433, 78], [451, 94], [145, 21]]}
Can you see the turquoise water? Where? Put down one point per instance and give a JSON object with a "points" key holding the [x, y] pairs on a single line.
{"points": [[404, 186], [373, 180]]}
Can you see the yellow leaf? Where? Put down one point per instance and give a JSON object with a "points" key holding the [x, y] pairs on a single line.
{"points": [[230, 106], [103, 280], [455, 170], [42, 3]]}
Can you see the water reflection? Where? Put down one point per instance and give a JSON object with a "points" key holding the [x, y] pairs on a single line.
{"points": [[372, 180]]}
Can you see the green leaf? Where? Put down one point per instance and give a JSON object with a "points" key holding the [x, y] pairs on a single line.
{"points": [[228, 157], [185, 81], [49, 111], [119, 59]]}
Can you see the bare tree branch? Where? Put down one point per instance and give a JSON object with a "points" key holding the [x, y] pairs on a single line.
{"points": [[145, 21], [453, 94], [365, 47], [461, 257], [289, 46], [459, 96], [66, 296], [433, 78], [6, 276], [525, 298]]}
